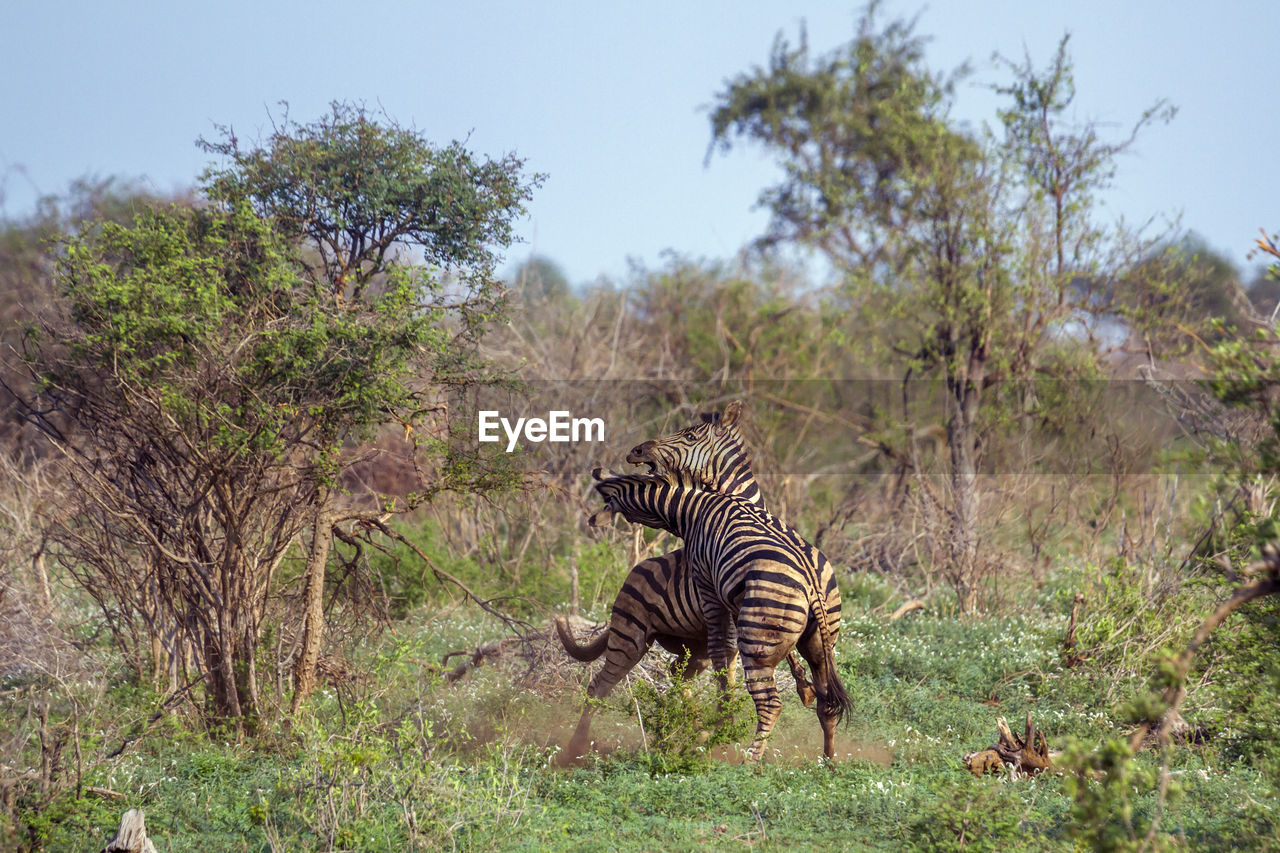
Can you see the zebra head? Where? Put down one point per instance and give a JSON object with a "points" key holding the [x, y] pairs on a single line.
{"points": [[639, 498], [710, 455]]}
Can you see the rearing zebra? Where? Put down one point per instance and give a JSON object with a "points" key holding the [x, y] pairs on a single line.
{"points": [[711, 454], [659, 601], [754, 573]]}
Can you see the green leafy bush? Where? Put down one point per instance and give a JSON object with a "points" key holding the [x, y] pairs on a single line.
{"points": [[685, 721], [969, 814]]}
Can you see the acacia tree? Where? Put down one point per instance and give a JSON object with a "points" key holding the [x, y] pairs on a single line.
{"points": [[353, 194], [976, 243], [217, 370]]}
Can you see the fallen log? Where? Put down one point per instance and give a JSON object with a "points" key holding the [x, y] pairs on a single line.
{"points": [[905, 608], [1021, 756], [105, 793]]}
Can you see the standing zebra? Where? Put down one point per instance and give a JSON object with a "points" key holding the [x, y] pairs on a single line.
{"points": [[659, 601], [756, 577]]}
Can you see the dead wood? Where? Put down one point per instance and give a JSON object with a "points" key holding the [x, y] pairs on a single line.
{"points": [[536, 661], [905, 608], [1023, 756], [475, 658], [105, 793], [132, 835]]}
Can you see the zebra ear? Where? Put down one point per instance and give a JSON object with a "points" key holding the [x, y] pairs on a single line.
{"points": [[709, 417], [730, 416]]}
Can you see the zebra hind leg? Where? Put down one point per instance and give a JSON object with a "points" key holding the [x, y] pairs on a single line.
{"points": [[621, 656], [764, 693]]}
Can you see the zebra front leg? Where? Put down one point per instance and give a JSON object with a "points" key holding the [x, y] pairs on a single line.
{"points": [[720, 646], [731, 653]]}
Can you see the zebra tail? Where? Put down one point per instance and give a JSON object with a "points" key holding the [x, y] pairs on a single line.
{"points": [[586, 653], [837, 700]]}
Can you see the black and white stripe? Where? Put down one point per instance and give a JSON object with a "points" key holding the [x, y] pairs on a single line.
{"points": [[761, 586], [711, 454], [659, 601]]}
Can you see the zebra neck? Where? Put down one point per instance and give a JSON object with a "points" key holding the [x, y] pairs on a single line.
{"points": [[747, 490], [740, 482]]}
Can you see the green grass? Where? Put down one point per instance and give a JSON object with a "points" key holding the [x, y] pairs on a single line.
{"points": [[403, 761]]}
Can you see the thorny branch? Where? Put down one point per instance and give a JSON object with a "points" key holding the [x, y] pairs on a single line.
{"points": [[519, 626], [1268, 584]]}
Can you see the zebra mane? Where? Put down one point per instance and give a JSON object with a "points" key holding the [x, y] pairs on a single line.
{"points": [[611, 485], [614, 487], [675, 479]]}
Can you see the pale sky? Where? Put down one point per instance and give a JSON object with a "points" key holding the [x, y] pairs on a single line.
{"points": [[610, 99]]}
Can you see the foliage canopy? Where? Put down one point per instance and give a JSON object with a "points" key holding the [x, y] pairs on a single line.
{"points": [[210, 381]]}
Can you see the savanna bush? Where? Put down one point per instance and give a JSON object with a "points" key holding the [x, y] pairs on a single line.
{"points": [[971, 814], [684, 721]]}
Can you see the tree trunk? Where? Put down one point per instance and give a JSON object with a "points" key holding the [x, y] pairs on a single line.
{"points": [[224, 670], [247, 672], [159, 659], [304, 672], [132, 835], [963, 400]]}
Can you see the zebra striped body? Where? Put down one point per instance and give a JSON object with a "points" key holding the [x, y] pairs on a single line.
{"points": [[659, 601], [756, 578]]}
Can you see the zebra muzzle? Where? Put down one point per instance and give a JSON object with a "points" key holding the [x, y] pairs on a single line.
{"points": [[640, 455]]}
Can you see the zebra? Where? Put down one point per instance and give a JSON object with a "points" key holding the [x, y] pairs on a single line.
{"points": [[756, 578], [712, 454], [659, 601]]}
